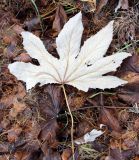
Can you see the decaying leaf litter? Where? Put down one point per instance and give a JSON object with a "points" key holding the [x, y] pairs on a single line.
{"points": [[36, 124]]}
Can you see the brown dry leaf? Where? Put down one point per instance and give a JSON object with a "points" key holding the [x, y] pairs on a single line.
{"points": [[130, 71], [51, 155], [21, 155], [123, 115], [4, 148], [17, 108], [115, 144], [130, 135], [101, 4], [109, 158], [13, 134], [49, 107], [108, 118], [18, 92], [130, 64], [5, 123], [10, 39], [67, 153], [131, 77], [47, 135], [7, 39], [4, 157], [32, 131], [130, 93], [117, 154], [82, 128], [125, 147], [87, 5], [23, 57], [136, 124], [137, 158], [125, 141], [10, 50], [18, 29], [123, 4], [60, 19], [50, 104], [32, 23], [76, 101]]}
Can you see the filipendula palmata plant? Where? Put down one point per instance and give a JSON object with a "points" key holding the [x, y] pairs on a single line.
{"points": [[82, 68]]}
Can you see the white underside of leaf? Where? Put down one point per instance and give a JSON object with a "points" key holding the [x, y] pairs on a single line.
{"points": [[82, 69], [89, 137], [100, 67], [96, 46], [69, 39], [31, 74], [101, 82]]}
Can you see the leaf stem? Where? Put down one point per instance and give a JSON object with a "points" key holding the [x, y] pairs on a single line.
{"points": [[72, 121]]}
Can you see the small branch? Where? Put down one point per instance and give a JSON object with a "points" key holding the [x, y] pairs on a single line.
{"points": [[72, 121], [110, 107]]}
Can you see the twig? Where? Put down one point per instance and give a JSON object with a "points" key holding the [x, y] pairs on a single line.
{"points": [[112, 107], [72, 121]]}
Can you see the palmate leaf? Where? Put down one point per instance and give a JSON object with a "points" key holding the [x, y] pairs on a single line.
{"points": [[82, 68]]}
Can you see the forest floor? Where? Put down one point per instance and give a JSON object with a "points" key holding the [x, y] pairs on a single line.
{"points": [[35, 125]]}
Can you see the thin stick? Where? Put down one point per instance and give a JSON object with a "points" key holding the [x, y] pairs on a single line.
{"points": [[111, 107], [72, 121]]}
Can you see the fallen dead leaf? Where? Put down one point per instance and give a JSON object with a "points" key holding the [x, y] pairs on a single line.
{"points": [[13, 134], [18, 29], [67, 153], [50, 104], [48, 101], [22, 155], [31, 134], [23, 57], [123, 4], [4, 148], [17, 92], [137, 158], [125, 147], [88, 5], [130, 71], [51, 155], [10, 50], [101, 4], [123, 115], [17, 108], [5, 123], [82, 128], [4, 157], [47, 135], [76, 101], [130, 93], [31, 23], [108, 118], [130, 64], [117, 154], [60, 19], [7, 39], [136, 124]]}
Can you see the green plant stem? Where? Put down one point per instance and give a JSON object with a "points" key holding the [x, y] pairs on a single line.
{"points": [[127, 46], [72, 121], [37, 11]]}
